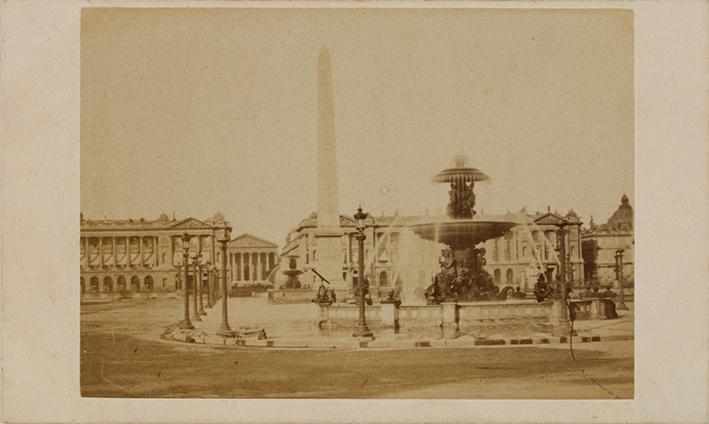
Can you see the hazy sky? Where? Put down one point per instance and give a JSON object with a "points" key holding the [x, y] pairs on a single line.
{"points": [[207, 110]]}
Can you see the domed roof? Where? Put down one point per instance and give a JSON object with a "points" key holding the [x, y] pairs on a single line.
{"points": [[622, 218]]}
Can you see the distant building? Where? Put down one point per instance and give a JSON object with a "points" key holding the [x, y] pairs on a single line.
{"points": [[139, 255], [514, 259], [252, 260], [600, 242]]}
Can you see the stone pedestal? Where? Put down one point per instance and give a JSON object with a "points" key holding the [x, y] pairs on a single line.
{"points": [[560, 325], [595, 309], [389, 314], [449, 314], [328, 259]]}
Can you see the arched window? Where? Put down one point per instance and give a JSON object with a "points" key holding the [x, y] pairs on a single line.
{"points": [[134, 284], [148, 283], [83, 284], [121, 283], [93, 285], [107, 284], [509, 276], [498, 276]]}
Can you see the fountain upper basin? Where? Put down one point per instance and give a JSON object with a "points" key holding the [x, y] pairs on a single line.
{"points": [[462, 233]]}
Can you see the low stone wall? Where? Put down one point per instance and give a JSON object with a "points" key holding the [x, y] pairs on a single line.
{"points": [[486, 312], [461, 314], [291, 295], [347, 315]]}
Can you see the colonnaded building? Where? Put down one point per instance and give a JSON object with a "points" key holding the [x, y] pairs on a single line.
{"points": [[139, 255], [514, 259]]}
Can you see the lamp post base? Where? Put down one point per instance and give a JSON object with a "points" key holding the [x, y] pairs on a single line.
{"points": [[225, 331], [363, 332], [186, 325]]}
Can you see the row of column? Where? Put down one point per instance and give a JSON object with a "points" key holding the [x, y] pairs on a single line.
{"points": [[113, 258], [244, 264]]}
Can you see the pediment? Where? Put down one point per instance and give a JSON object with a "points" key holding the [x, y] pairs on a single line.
{"points": [[248, 240], [190, 223], [550, 219]]}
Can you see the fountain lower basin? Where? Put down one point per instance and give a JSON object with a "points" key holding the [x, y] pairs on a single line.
{"points": [[461, 233]]}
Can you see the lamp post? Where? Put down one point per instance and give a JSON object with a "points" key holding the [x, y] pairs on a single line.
{"points": [[200, 283], [195, 305], [215, 278], [619, 277], [362, 329], [224, 329], [208, 274], [186, 323], [560, 310]]}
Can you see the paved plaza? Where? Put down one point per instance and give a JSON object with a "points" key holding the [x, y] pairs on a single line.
{"points": [[122, 355]]}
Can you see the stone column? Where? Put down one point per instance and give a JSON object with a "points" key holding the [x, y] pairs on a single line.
{"points": [[114, 254], [244, 264], [128, 261], [141, 260], [100, 252], [237, 266]]}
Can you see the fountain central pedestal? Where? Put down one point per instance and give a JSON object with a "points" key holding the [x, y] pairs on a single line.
{"points": [[462, 274]]}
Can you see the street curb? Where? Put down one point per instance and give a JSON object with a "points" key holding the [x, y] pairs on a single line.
{"points": [[369, 344]]}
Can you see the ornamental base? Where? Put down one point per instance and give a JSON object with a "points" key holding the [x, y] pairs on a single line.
{"points": [[225, 331], [363, 332], [186, 325]]}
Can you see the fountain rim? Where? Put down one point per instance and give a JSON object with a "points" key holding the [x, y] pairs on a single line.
{"points": [[467, 174], [445, 220]]}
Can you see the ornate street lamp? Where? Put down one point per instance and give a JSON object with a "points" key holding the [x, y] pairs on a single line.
{"points": [[561, 303], [208, 274], [619, 277], [200, 283], [186, 323], [362, 330], [195, 282], [224, 329]]}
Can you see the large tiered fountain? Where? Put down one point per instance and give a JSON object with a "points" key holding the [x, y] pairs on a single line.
{"points": [[462, 293], [462, 275]]}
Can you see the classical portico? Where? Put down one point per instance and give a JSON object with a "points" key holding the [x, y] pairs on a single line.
{"points": [[251, 260]]}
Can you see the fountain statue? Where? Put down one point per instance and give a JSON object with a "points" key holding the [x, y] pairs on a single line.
{"points": [[292, 273], [462, 275]]}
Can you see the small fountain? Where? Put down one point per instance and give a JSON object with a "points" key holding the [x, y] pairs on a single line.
{"points": [[292, 273], [462, 276]]}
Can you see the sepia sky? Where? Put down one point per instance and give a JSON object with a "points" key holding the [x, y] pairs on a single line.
{"points": [[204, 110]]}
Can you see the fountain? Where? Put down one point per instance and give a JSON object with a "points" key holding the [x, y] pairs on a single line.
{"points": [[462, 276], [292, 273]]}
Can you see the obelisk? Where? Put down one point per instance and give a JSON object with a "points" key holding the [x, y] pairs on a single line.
{"points": [[328, 256]]}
